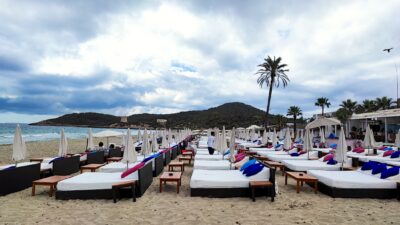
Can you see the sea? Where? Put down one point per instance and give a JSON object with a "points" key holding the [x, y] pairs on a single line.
{"points": [[47, 133]]}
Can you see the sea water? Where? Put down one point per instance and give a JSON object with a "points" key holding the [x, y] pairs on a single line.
{"points": [[46, 133]]}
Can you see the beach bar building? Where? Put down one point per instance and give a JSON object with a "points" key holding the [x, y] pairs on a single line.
{"points": [[384, 123]]}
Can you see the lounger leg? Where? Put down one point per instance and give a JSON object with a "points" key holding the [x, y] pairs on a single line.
{"points": [[297, 186], [285, 178], [33, 189], [177, 187], [315, 187], [160, 185], [51, 191], [114, 195], [134, 192], [253, 194]]}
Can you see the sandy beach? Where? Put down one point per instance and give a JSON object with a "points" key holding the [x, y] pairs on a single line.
{"points": [[171, 208]]}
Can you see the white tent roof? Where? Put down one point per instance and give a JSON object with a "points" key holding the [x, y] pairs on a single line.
{"points": [[321, 122], [253, 127], [108, 133]]}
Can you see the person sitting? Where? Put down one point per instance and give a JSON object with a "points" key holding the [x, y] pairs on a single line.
{"points": [[101, 145], [112, 146]]}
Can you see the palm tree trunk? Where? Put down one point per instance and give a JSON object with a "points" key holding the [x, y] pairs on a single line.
{"points": [[294, 124], [322, 110], [268, 104]]}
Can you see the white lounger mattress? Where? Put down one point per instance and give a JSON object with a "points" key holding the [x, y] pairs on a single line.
{"points": [[21, 164], [208, 157], [279, 158], [93, 181], [116, 167], [351, 180], [304, 165], [211, 165], [323, 150], [224, 178]]}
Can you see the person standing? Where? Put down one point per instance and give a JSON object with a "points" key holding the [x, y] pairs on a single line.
{"points": [[210, 143]]}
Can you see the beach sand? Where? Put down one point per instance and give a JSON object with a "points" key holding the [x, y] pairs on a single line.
{"points": [[171, 208]]}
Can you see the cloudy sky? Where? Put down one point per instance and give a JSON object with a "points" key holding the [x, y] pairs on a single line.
{"points": [[121, 58]]}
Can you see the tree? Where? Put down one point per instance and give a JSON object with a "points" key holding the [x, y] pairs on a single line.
{"points": [[322, 102], [383, 103], [368, 105], [280, 121], [349, 105], [294, 111], [272, 73]]}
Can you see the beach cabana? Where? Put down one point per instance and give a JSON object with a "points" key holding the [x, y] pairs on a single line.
{"points": [[107, 134]]}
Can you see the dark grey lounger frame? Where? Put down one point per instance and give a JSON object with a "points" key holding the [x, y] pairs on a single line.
{"points": [[159, 165], [233, 192], [95, 157], [19, 178], [174, 153], [359, 193], [145, 180], [66, 166], [167, 158]]}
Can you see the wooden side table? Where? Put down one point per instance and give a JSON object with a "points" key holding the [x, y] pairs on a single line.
{"points": [[118, 186], [48, 181], [262, 184], [275, 165], [180, 165], [92, 167], [185, 158], [300, 178], [190, 154], [171, 177]]}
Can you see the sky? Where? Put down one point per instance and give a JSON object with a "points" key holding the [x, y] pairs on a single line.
{"points": [[127, 57]]}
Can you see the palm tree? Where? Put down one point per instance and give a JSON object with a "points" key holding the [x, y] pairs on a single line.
{"points": [[280, 121], [294, 111], [272, 73], [368, 105], [322, 102], [349, 105], [347, 110], [384, 102]]}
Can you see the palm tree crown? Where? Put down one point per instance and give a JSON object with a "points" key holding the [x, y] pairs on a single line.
{"points": [[349, 105], [272, 73], [322, 102], [294, 111], [383, 103]]}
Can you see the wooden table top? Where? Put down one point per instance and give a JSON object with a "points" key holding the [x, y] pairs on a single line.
{"points": [[273, 163], [51, 180], [177, 164], [187, 153], [92, 166], [301, 176], [124, 183], [36, 159], [184, 157], [175, 176]]}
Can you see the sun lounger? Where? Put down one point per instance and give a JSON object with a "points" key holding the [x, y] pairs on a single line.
{"points": [[304, 165], [209, 157], [18, 178], [119, 167], [354, 184], [212, 165], [99, 185], [226, 183], [279, 158]]}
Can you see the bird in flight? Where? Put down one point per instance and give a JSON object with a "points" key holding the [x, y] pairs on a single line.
{"points": [[387, 49]]}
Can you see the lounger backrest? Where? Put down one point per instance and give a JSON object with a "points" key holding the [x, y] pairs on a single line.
{"points": [[19, 178], [115, 152], [66, 166], [145, 179], [159, 165], [95, 157]]}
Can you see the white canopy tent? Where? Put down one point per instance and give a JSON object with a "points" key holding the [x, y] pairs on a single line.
{"points": [[107, 134]]}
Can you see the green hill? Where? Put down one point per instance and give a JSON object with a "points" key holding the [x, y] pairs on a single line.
{"points": [[233, 114]]}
